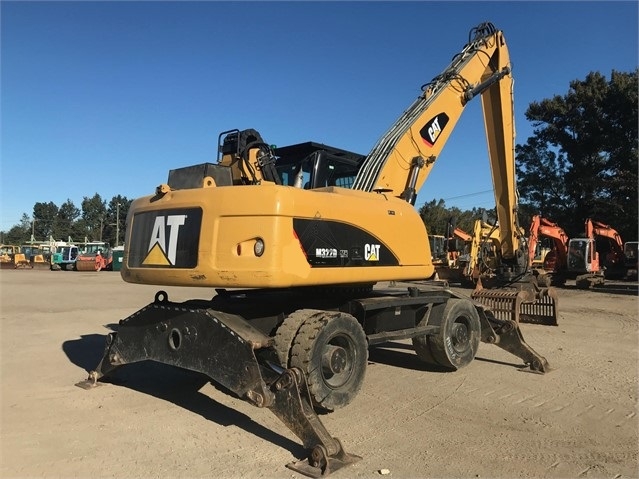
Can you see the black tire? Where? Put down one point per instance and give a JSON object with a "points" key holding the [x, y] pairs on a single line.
{"points": [[457, 342], [286, 333], [332, 351], [422, 345]]}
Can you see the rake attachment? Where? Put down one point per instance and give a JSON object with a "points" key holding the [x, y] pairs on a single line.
{"points": [[523, 302]]}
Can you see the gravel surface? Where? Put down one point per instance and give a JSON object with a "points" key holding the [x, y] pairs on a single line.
{"points": [[488, 419]]}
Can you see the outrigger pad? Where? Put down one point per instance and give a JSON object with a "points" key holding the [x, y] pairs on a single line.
{"points": [[223, 346], [325, 464]]}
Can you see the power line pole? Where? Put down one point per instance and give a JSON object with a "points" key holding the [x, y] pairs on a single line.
{"points": [[117, 225], [33, 220]]}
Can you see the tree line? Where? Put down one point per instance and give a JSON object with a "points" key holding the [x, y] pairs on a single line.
{"points": [[580, 162], [95, 220]]}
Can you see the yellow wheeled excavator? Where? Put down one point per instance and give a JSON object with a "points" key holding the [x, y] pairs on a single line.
{"points": [[482, 257], [316, 254], [522, 298]]}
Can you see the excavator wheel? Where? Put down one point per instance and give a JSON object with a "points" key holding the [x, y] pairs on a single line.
{"points": [[332, 351], [457, 341], [286, 332]]}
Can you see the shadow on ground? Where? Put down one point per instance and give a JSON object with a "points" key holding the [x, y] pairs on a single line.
{"points": [[403, 355], [178, 386]]}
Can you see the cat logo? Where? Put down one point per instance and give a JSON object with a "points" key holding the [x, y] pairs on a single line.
{"points": [[431, 131], [164, 240], [371, 252]]}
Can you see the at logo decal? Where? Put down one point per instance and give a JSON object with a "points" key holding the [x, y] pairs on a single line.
{"points": [[165, 238], [158, 253]]}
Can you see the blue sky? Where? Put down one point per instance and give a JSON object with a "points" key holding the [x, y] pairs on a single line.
{"points": [[107, 97]]}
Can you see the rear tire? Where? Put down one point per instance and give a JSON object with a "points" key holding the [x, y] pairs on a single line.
{"points": [[332, 351], [457, 341]]}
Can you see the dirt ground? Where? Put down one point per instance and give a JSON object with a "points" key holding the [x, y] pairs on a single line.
{"points": [[487, 420]]}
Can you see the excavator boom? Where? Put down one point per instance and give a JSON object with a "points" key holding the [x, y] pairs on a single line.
{"points": [[402, 159]]}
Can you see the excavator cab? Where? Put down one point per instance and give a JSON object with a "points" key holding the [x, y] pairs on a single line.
{"points": [[308, 165], [583, 262], [582, 256], [541, 251], [313, 165]]}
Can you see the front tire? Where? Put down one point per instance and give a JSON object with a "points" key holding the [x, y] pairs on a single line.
{"points": [[457, 341], [332, 351], [287, 331]]}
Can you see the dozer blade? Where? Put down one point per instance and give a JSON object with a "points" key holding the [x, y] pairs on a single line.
{"points": [[231, 352], [521, 302], [39, 265]]}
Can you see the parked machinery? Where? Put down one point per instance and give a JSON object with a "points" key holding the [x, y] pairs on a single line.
{"points": [[555, 262], [614, 260], [36, 254], [630, 254], [12, 258], [302, 273], [438, 250], [481, 257], [584, 261], [65, 257], [94, 256], [452, 260]]}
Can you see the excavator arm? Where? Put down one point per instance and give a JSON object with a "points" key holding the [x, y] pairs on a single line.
{"points": [[597, 228], [615, 257], [462, 235], [555, 262], [403, 158]]}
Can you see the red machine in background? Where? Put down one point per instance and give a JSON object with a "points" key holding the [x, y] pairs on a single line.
{"points": [[583, 255], [555, 262], [614, 259], [94, 256]]}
